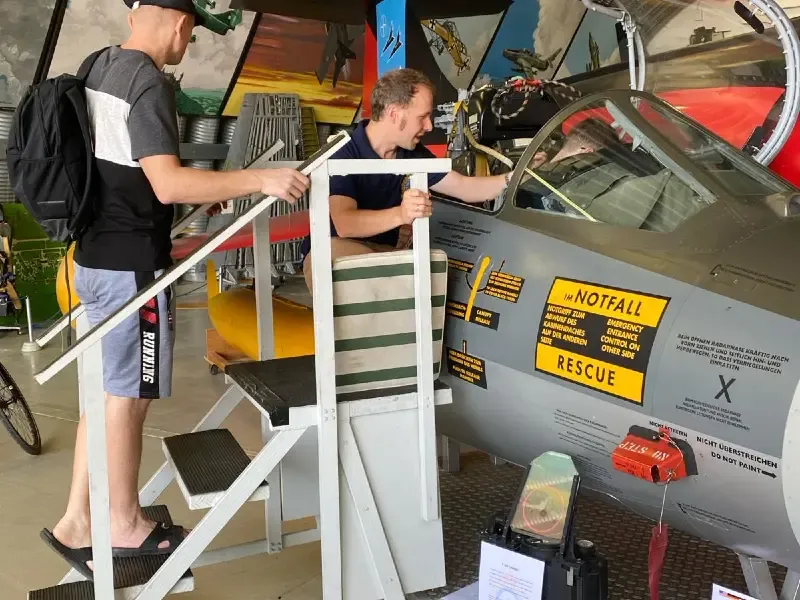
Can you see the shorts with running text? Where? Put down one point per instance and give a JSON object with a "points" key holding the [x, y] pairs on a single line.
{"points": [[137, 353]]}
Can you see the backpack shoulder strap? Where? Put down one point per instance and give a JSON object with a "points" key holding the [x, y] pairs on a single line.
{"points": [[88, 63], [83, 121]]}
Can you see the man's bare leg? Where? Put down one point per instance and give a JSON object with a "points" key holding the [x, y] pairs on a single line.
{"points": [[129, 527], [341, 247]]}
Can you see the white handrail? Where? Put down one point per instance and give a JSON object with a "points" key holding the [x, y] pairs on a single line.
{"points": [[259, 163], [177, 270]]}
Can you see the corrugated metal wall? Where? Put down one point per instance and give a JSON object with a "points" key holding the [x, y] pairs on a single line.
{"points": [[6, 195]]}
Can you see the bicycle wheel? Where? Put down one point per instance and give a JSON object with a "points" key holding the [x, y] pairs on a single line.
{"points": [[16, 415]]}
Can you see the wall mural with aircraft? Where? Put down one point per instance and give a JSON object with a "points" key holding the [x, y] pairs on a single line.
{"points": [[707, 21], [596, 44], [322, 63], [201, 80], [23, 27], [459, 45], [531, 40]]}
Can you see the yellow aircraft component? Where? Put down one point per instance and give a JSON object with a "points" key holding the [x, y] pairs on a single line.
{"points": [[61, 284], [233, 315], [481, 166], [487, 260]]}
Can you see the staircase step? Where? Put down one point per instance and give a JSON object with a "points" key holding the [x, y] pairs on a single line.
{"points": [[158, 512], [206, 463], [130, 576]]}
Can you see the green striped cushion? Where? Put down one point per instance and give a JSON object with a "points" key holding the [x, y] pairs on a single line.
{"points": [[374, 319]]}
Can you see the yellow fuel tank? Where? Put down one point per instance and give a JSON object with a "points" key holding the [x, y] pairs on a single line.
{"points": [[61, 284], [233, 315]]}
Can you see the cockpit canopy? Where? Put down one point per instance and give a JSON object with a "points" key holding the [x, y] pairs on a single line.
{"points": [[627, 159]]}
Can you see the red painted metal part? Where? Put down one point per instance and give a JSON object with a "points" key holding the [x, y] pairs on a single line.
{"points": [[370, 76], [656, 461], [439, 150], [281, 229], [732, 113]]}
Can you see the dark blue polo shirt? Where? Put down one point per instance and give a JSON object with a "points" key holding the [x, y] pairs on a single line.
{"points": [[372, 192]]}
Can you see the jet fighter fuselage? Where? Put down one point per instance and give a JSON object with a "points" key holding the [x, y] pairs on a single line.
{"points": [[644, 278]]}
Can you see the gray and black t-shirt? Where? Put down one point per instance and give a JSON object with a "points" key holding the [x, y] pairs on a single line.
{"points": [[133, 115]]}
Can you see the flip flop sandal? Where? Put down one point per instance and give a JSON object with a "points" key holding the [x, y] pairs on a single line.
{"points": [[174, 534], [76, 557]]}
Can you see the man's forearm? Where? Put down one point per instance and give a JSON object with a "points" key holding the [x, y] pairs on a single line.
{"points": [[471, 189], [196, 186], [481, 189], [359, 223]]}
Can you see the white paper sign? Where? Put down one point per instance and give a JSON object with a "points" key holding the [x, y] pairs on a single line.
{"points": [[721, 593], [507, 575]]}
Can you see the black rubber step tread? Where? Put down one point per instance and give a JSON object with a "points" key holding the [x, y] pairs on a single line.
{"points": [[128, 572], [208, 461], [138, 570], [80, 590], [281, 384], [158, 512], [277, 385]]}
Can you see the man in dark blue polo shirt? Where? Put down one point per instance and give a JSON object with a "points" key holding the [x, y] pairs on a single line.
{"points": [[369, 211]]}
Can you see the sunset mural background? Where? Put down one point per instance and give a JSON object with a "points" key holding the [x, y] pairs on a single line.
{"points": [[283, 58]]}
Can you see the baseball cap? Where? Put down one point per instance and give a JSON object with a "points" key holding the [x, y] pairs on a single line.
{"points": [[186, 6]]}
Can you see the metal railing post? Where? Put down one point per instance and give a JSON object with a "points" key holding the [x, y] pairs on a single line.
{"points": [[30, 345]]}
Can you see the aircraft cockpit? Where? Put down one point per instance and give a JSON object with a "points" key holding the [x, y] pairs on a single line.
{"points": [[628, 159]]}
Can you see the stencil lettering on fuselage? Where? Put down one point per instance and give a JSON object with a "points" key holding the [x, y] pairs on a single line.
{"points": [[501, 285], [467, 368], [598, 336]]}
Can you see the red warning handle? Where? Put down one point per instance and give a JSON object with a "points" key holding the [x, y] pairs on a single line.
{"points": [[655, 458]]}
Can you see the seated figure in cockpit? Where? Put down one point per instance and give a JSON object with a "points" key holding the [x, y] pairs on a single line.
{"points": [[620, 176], [578, 168]]}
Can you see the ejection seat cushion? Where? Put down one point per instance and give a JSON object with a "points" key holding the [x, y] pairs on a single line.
{"points": [[375, 322]]}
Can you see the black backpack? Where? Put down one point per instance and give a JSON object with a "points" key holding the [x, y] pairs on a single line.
{"points": [[51, 154]]}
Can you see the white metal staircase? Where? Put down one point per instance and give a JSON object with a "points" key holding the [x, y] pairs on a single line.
{"points": [[344, 457]]}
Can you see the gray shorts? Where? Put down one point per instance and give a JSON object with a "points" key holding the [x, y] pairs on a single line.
{"points": [[137, 353]]}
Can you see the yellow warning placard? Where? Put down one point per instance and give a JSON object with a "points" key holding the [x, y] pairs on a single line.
{"points": [[472, 314], [608, 302], [599, 336], [504, 286], [467, 368], [612, 379], [460, 265]]}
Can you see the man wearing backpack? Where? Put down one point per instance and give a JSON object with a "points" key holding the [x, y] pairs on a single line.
{"points": [[127, 245]]}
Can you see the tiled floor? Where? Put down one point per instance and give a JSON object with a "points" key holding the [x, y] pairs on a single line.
{"points": [[33, 490]]}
